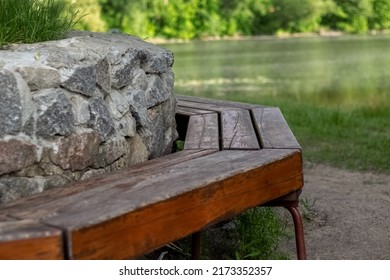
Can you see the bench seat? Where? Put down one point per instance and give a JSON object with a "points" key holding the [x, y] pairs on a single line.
{"points": [[234, 158]]}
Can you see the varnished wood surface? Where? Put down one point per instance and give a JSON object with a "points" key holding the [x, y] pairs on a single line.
{"points": [[202, 132], [29, 240], [183, 212]]}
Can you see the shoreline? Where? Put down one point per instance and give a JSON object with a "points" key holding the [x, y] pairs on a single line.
{"points": [[320, 34]]}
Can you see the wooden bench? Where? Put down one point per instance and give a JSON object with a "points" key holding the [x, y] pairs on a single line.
{"points": [[236, 156]]}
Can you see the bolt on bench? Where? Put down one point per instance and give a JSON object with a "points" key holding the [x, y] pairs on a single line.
{"points": [[236, 156]]}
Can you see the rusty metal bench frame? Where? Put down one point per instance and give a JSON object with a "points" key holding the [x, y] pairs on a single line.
{"points": [[236, 156]]}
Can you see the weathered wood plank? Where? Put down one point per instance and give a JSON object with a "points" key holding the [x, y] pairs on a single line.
{"points": [[219, 102], [238, 132], [123, 193], [47, 203], [205, 106], [28, 239], [187, 111], [202, 132], [176, 216], [273, 129]]}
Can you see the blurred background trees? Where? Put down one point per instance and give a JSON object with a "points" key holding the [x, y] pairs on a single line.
{"points": [[188, 19]]}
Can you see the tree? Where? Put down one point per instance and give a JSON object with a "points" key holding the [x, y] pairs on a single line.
{"points": [[296, 15], [380, 18], [350, 15], [114, 12]]}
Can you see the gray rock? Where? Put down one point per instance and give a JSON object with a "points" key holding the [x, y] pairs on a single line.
{"points": [[10, 104], [160, 132], [110, 152], [75, 152], [83, 80], [120, 101], [80, 109], [15, 155], [101, 119], [118, 104], [123, 73], [29, 127], [54, 113], [137, 105], [157, 64], [139, 152], [103, 77], [140, 80], [126, 126], [156, 92], [40, 77], [12, 188], [169, 80]]}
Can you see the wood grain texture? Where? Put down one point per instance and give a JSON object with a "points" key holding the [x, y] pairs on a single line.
{"points": [[147, 228], [132, 211], [237, 131], [128, 193], [187, 111], [219, 102], [50, 202], [204, 106], [28, 239], [202, 132], [273, 129]]}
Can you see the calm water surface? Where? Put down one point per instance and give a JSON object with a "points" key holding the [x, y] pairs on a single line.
{"points": [[346, 71]]}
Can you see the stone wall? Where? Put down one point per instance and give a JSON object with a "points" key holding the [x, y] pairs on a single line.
{"points": [[83, 106]]}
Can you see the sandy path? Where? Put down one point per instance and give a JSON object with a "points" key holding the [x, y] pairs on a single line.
{"points": [[350, 218]]}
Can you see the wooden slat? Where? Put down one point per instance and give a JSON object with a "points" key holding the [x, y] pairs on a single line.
{"points": [[108, 214], [29, 240], [205, 106], [202, 132], [187, 111], [178, 215], [273, 129], [237, 131], [47, 203], [219, 102]]}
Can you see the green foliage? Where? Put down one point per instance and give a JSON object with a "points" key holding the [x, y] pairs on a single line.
{"points": [[29, 21], [380, 18], [259, 231], [188, 19], [350, 15], [297, 15], [92, 19]]}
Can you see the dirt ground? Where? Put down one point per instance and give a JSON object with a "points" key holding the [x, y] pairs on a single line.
{"points": [[346, 214]]}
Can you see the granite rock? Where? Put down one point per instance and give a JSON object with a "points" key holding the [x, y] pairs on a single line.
{"points": [[54, 113]]}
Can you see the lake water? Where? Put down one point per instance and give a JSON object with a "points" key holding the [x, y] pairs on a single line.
{"points": [[350, 71]]}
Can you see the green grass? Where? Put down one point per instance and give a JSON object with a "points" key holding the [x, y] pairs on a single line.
{"points": [[352, 138], [355, 139], [253, 235], [29, 21], [259, 231]]}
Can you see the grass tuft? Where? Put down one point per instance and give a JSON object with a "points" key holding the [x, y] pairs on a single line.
{"points": [[30, 21]]}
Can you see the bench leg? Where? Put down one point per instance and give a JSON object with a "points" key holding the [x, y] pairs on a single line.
{"points": [[299, 235], [195, 246]]}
